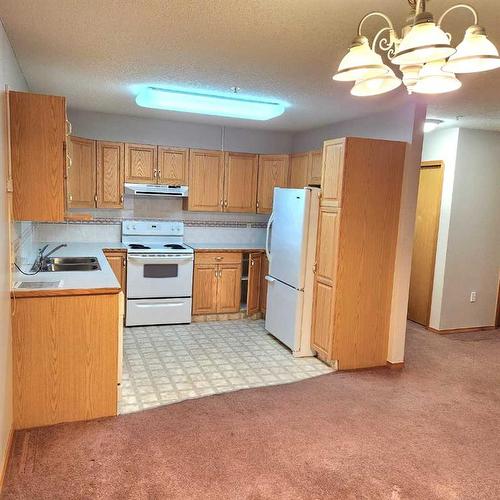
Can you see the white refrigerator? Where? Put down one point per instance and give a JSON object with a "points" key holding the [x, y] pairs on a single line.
{"points": [[291, 250]]}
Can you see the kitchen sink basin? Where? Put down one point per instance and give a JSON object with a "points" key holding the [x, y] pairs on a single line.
{"points": [[58, 264]]}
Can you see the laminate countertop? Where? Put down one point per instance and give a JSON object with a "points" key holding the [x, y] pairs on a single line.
{"points": [[226, 247], [69, 282]]}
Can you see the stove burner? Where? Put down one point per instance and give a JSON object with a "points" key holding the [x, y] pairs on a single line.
{"points": [[138, 246], [174, 246]]}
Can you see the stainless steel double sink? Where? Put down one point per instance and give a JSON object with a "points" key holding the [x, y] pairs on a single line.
{"points": [[58, 264]]}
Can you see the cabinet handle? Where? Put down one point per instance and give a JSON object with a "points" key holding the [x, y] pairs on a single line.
{"points": [[315, 267], [70, 197], [219, 257], [159, 173], [225, 203], [221, 203], [216, 274], [69, 127], [252, 262], [220, 274], [257, 204], [154, 174], [121, 198]]}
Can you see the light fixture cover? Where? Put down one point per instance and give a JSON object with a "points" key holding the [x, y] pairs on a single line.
{"points": [[475, 53], [434, 80], [209, 103], [360, 62], [376, 85], [424, 42]]}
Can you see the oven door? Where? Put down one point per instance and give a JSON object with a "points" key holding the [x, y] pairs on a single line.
{"points": [[159, 275]]}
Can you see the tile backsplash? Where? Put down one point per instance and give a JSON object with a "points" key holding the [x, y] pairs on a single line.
{"points": [[200, 227]]}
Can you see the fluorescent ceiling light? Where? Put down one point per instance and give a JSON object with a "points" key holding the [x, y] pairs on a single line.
{"points": [[209, 103], [431, 123]]}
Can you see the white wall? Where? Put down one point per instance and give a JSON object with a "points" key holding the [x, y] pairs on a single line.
{"points": [[10, 75], [395, 125], [441, 145], [468, 249], [113, 127]]}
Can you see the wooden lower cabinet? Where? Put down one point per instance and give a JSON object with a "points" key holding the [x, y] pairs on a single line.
{"points": [[118, 261], [205, 289], [229, 288], [263, 283], [254, 282], [65, 358], [217, 284]]}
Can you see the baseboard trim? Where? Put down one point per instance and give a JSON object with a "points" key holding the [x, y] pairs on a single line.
{"points": [[6, 457], [461, 330], [396, 366]]}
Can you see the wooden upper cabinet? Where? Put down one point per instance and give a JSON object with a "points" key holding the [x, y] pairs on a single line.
{"points": [[140, 163], [38, 156], [315, 166], [240, 182], [110, 174], [206, 180], [81, 185], [299, 170], [173, 166], [273, 172], [254, 280], [332, 172]]}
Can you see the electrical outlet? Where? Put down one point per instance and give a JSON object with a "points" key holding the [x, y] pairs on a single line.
{"points": [[473, 296]]}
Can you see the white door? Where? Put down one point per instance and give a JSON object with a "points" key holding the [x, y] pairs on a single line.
{"points": [[288, 236], [283, 312]]}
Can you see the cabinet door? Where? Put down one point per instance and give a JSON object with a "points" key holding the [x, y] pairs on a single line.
{"points": [[38, 156], [299, 169], [229, 288], [206, 180], [110, 174], [315, 164], [254, 271], [273, 172], [240, 182], [205, 288], [322, 318], [332, 172], [140, 163], [263, 282], [173, 166], [118, 264], [324, 280], [81, 173]]}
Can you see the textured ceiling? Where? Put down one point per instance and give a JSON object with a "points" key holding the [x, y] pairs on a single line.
{"points": [[95, 51]]}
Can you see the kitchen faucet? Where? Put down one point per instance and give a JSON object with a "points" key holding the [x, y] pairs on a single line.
{"points": [[42, 256]]}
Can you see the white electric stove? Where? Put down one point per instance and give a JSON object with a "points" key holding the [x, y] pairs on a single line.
{"points": [[159, 273]]}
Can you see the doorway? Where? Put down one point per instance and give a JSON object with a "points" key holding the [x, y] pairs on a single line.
{"points": [[425, 241]]}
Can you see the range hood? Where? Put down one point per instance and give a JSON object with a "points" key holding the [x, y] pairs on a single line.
{"points": [[156, 190]]}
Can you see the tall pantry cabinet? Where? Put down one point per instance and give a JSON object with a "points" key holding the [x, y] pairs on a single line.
{"points": [[361, 182]]}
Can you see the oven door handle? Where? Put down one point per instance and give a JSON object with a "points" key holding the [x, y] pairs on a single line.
{"points": [[155, 259]]}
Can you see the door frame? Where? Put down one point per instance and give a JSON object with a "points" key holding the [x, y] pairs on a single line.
{"points": [[432, 164]]}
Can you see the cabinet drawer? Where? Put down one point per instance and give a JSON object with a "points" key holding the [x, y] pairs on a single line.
{"points": [[218, 258]]}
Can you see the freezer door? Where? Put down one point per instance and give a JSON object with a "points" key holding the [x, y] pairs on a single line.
{"points": [[288, 236], [284, 312]]}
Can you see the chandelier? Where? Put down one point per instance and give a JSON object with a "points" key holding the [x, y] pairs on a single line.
{"points": [[425, 57]]}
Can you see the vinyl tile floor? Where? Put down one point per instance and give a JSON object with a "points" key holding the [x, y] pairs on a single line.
{"points": [[168, 364]]}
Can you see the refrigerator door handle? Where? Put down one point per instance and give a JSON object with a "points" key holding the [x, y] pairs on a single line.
{"points": [[268, 232]]}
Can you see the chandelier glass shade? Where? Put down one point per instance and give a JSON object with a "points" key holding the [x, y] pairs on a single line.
{"points": [[434, 80], [427, 60]]}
